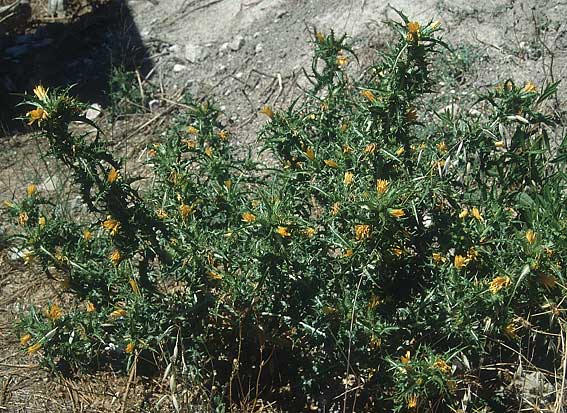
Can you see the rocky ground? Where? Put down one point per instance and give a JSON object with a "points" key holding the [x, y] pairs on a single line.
{"points": [[245, 53]]}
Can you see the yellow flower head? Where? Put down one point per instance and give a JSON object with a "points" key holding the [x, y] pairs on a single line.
{"points": [[31, 189], [34, 349], [412, 402], [476, 213], [413, 32], [134, 285], [406, 358], [530, 87], [41, 221], [397, 213], [335, 208], [309, 232], [330, 163], [185, 210], [223, 135], [36, 115], [40, 92], [90, 307], [374, 301], [215, 276], [343, 128], [400, 151], [320, 37], [23, 218], [370, 148], [24, 340], [442, 147], [510, 330], [191, 143], [151, 153], [113, 175], [442, 365], [283, 232], [460, 262], [464, 213], [368, 95], [115, 257], [349, 176], [87, 235], [347, 149], [53, 312], [348, 253], [248, 217], [398, 252], [120, 312], [310, 153], [498, 283], [161, 213], [209, 151], [342, 60], [439, 258], [500, 144], [130, 347], [361, 232], [111, 225], [531, 236], [266, 110], [382, 186], [192, 130]]}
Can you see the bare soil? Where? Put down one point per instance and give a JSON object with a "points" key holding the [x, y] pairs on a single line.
{"points": [[523, 40]]}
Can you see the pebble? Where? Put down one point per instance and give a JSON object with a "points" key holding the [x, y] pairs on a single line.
{"points": [[179, 68], [195, 53], [93, 111], [236, 43], [258, 49], [154, 104]]}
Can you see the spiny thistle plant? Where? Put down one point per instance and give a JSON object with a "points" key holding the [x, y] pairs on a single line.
{"points": [[391, 256]]}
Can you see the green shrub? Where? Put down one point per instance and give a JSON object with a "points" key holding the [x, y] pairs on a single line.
{"points": [[390, 254]]}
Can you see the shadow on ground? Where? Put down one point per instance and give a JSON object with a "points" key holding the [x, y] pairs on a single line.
{"points": [[82, 52]]}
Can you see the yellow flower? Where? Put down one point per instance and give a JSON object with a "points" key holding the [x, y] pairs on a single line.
{"points": [[113, 175], [510, 330], [115, 257], [348, 253], [36, 115], [413, 32], [209, 151], [23, 218], [548, 281], [119, 312], [464, 213], [112, 225], [309, 232], [134, 285], [343, 128], [24, 340], [381, 186], [310, 154], [192, 130], [41, 221], [460, 262], [347, 149], [531, 236], [87, 235], [152, 153], [397, 213], [398, 252], [400, 151], [130, 347], [442, 365], [223, 135], [530, 87], [361, 231], [330, 163], [412, 402], [53, 312], [374, 301], [349, 176], [370, 148], [266, 110], [215, 276], [442, 147], [191, 143], [342, 60], [335, 208], [375, 342], [90, 307], [476, 213], [283, 232], [439, 258], [498, 283], [368, 95], [161, 213], [40, 92], [34, 349], [406, 358], [31, 189], [248, 217], [472, 254], [28, 257], [320, 37], [185, 210], [227, 183], [500, 144]]}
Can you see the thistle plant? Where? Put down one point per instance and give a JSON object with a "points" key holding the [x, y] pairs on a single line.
{"points": [[390, 256]]}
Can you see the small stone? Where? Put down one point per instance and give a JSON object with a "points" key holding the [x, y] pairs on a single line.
{"points": [[154, 104], [93, 111], [258, 49], [239, 75], [223, 48], [179, 68], [16, 254], [280, 14], [236, 43], [175, 49], [195, 53], [256, 35]]}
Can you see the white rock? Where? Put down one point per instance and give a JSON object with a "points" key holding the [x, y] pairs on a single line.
{"points": [[239, 75], [175, 49], [93, 111], [179, 68], [236, 43], [258, 48], [154, 104], [195, 53], [223, 48], [256, 34]]}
